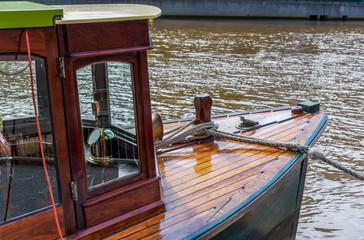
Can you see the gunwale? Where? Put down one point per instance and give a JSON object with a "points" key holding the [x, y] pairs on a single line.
{"points": [[217, 188]]}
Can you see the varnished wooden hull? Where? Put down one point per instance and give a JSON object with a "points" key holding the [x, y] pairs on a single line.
{"points": [[222, 189], [272, 215]]}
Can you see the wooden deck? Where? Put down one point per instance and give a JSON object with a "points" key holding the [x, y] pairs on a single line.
{"points": [[203, 181]]}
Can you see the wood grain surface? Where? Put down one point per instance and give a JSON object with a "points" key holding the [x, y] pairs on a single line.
{"points": [[203, 181]]}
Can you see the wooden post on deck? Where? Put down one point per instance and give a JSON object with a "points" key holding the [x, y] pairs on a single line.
{"points": [[203, 103]]}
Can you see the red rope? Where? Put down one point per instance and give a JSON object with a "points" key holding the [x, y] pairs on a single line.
{"points": [[40, 137]]}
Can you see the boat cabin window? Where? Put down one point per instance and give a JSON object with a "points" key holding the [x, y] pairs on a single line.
{"points": [[108, 121], [23, 187]]}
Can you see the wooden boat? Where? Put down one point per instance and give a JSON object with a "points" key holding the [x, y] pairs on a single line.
{"points": [[95, 121]]}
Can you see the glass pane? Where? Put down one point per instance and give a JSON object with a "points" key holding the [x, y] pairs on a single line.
{"points": [[108, 122], [23, 187]]}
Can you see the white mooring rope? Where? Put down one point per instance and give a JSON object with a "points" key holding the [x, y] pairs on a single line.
{"points": [[210, 128]]}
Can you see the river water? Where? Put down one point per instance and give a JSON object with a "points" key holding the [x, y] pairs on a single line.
{"points": [[246, 64]]}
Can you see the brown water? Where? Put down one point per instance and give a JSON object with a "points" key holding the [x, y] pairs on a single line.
{"points": [[245, 64]]}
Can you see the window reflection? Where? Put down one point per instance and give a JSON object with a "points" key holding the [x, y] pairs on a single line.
{"points": [[23, 187], [108, 122]]}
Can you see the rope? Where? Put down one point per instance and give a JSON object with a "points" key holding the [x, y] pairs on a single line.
{"points": [[211, 129], [252, 140], [183, 136], [40, 137], [11, 174], [318, 154], [179, 129]]}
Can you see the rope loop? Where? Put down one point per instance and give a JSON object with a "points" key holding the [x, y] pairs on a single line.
{"points": [[178, 137]]}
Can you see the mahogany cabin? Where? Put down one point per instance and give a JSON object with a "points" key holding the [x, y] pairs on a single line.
{"points": [[92, 93]]}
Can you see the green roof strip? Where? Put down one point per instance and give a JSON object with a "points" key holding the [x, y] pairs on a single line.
{"points": [[24, 14]]}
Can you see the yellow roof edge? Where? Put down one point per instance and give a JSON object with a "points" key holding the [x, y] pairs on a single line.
{"points": [[74, 14]]}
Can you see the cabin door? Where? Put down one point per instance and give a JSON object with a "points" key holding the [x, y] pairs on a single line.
{"points": [[102, 129], [25, 199]]}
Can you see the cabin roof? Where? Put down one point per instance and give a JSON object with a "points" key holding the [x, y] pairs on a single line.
{"points": [[107, 13], [24, 14]]}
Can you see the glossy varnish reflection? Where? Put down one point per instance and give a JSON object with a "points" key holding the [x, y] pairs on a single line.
{"points": [[205, 180]]}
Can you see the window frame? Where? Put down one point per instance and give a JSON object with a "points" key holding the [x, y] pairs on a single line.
{"points": [[132, 81], [140, 90], [40, 90]]}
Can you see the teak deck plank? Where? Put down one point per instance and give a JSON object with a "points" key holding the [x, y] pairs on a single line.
{"points": [[203, 181], [225, 171], [264, 134], [226, 185], [210, 159], [205, 164], [169, 218]]}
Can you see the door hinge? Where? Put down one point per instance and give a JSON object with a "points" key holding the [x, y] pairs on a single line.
{"points": [[74, 191], [62, 73]]}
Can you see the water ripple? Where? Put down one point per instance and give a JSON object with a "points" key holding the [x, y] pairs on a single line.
{"points": [[248, 65]]}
